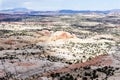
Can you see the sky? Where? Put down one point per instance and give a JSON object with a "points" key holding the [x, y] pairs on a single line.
{"points": [[61, 4]]}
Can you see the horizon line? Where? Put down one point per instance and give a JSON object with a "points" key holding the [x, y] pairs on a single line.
{"points": [[62, 9]]}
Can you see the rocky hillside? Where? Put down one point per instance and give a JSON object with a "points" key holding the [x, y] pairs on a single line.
{"points": [[60, 47]]}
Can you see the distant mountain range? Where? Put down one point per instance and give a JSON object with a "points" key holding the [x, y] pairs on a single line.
{"points": [[33, 12], [16, 10]]}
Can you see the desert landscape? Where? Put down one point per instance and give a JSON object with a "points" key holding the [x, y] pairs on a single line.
{"points": [[60, 45]]}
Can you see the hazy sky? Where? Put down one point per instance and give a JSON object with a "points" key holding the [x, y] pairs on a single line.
{"points": [[61, 4]]}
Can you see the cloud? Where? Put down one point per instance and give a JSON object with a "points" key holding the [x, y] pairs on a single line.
{"points": [[27, 4], [0, 4], [6, 4]]}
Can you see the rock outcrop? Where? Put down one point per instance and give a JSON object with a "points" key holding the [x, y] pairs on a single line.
{"points": [[61, 35]]}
